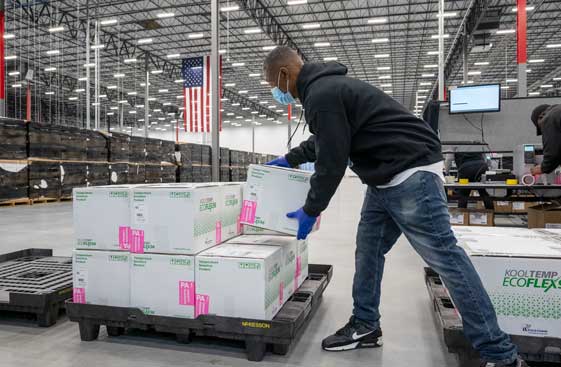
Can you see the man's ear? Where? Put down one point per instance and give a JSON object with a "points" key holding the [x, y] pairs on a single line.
{"points": [[283, 77]]}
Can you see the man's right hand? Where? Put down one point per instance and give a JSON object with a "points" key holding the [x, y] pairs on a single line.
{"points": [[279, 162]]}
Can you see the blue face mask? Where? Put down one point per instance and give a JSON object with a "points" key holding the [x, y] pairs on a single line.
{"points": [[284, 98]]}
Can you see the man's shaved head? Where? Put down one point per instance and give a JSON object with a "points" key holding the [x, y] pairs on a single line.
{"points": [[282, 67]]}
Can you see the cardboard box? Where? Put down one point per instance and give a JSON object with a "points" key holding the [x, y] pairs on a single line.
{"points": [[521, 206], [101, 217], [459, 217], [485, 218], [101, 277], [292, 262], [231, 205], [540, 216], [522, 277], [270, 193], [503, 206], [239, 281], [175, 219], [163, 285]]}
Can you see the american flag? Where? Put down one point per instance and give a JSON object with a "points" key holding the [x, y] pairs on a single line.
{"points": [[197, 89]]}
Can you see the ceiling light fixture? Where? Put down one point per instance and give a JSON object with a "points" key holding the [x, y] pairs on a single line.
{"points": [[436, 36], [311, 26], [196, 36], [380, 40], [474, 73], [554, 45], [109, 22], [296, 2], [163, 90], [155, 72], [13, 73], [383, 68], [111, 87], [238, 64], [427, 75], [381, 56], [252, 30], [165, 15], [144, 41], [322, 44], [50, 69], [254, 75], [331, 58], [430, 66], [9, 36], [536, 61], [432, 53], [11, 57], [119, 75], [528, 8], [173, 56], [505, 31], [230, 8], [546, 86], [130, 61], [482, 63], [97, 47], [269, 48], [56, 29], [53, 52], [377, 21]]}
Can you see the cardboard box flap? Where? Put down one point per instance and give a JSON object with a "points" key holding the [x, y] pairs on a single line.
{"points": [[263, 240], [241, 251], [512, 247]]}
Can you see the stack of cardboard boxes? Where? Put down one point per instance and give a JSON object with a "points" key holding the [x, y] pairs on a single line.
{"points": [[176, 250]]}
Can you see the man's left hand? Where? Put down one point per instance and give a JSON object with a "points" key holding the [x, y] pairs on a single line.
{"points": [[305, 223], [537, 170]]}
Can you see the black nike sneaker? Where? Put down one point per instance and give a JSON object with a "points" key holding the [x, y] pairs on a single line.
{"points": [[518, 363], [354, 335]]}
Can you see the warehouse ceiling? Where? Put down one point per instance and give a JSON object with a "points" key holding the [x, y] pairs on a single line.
{"points": [[390, 44]]}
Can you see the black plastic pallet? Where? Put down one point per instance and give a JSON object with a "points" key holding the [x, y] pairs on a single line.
{"points": [[258, 335], [34, 281], [532, 349]]}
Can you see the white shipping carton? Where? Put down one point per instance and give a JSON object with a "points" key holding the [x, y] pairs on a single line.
{"points": [[289, 246], [101, 277], [230, 207], [522, 275], [271, 193], [163, 285], [175, 219], [239, 281], [102, 217]]}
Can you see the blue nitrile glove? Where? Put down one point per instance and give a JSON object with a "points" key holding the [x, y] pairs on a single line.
{"points": [[305, 223], [279, 162]]}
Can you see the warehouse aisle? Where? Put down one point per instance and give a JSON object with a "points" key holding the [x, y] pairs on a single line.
{"points": [[411, 338]]}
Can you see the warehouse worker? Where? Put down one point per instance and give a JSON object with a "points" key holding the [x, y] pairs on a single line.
{"points": [[399, 157], [547, 119], [471, 166]]}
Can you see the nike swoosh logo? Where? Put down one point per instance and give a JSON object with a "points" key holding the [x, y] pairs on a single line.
{"points": [[357, 337]]}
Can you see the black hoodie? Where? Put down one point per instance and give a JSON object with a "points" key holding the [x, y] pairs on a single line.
{"points": [[352, 119], [551, 139]]}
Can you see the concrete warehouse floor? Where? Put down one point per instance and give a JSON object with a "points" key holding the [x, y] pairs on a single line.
{"points": [[411, 338]]}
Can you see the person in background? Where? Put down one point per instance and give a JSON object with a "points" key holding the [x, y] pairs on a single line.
{"points": [[471, 166], [547, 119], [400, 158]]}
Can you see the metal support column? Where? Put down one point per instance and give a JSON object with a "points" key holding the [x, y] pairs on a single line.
{"points": [[215, 88], [88, 102], [465, 55], [521, 54], [146, 96], [2, 60], [96, 76], [441, 86]]}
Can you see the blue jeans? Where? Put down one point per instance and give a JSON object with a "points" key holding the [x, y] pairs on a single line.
{"points": [[418, 208]]}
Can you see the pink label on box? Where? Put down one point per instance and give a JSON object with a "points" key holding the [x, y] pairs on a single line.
{"points": [[218, 232], [137, 241], [239, 223], [79, 295], [249, 209], [281, 293], [202, 305], [186, 293], [124, 238], [298, 271]]}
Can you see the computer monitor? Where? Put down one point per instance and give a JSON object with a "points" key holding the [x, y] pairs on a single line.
{"points": [[475, 99]]}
